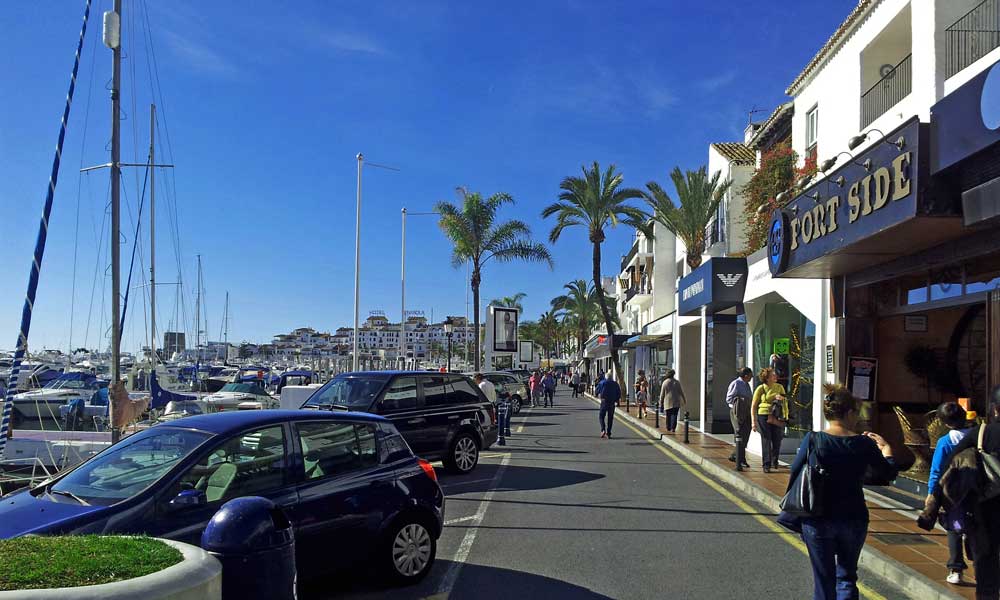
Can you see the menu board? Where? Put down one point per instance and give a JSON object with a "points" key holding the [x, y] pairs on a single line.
{"points": [[862, 377]]}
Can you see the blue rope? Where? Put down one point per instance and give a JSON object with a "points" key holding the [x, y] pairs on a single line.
{"points": [[36, 262]]}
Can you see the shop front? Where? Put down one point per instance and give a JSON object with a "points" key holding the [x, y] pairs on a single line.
{"points": [[711, 337], [909, 234], [597, 353], [653, 350]]}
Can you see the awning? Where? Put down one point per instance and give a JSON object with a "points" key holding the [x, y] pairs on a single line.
{"points": [[645, 340]]}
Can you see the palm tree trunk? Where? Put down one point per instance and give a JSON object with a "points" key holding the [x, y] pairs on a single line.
{"points": [[607, 318], [475, 314]]}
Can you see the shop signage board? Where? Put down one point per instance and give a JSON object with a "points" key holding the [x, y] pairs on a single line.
{"points": [[862, 377], [966, 120], [843, 213], [718, 284]]}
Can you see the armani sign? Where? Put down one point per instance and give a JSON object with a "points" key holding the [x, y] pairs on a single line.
{"points": [[729, 280]]}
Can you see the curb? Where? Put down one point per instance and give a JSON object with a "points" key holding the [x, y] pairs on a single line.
{"points": [[907, 580]]}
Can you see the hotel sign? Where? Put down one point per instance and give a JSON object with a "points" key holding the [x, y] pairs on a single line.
{"points": [[867, 195]]}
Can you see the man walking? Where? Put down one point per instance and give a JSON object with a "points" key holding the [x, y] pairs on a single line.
{"points": [[549, 388], [610, 393], [575, 382], [503, 408], [739, 397]]}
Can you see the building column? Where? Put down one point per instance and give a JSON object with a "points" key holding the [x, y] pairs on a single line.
{"points": [[724, 367]]}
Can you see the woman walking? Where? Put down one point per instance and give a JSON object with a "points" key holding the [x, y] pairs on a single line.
{"points": [[672, 398], [641, 393], [835, 539], [535, 388], [770, 410]]}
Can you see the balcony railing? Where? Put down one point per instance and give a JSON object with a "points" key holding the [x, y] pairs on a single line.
{"points": [[972, 36], [713, 233], [893, 87]]}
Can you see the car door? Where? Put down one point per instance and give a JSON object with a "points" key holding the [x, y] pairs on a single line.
{"points": [[439, 412], [251, 463], [344, 493], [400, 403]]}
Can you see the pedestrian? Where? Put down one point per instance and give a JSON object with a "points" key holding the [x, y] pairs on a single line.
{"points": [[984, 533], [575, 382], [739, 397], [549, 388], [848, 460], [770, 410], [641, 392], [672, 398], [490, 391], [610, 393], [535, 387]]}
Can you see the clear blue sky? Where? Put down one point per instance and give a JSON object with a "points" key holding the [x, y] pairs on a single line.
{"points": [[266, 105]]}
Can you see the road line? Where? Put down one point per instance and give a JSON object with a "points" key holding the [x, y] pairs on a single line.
{"points": [[741, 504], [451, 575], [459, 520]]}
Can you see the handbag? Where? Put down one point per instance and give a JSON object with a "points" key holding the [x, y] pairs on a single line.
{"points": [[804, 497], [989, 470], [777, 415]]}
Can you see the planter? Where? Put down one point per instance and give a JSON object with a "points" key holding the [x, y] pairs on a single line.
{"points": [[198, 576]]}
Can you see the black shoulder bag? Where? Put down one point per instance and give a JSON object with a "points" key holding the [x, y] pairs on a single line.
{"points": [[804, 497]]}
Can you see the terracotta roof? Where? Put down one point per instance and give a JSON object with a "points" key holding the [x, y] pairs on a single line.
{"points": [[838, 36], [780, 114], [736, 152]]}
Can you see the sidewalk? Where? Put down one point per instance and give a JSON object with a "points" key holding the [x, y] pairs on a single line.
{"points": [[896, 549]]}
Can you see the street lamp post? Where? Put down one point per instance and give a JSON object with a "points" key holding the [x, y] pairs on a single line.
{"points": [[449, 330]]}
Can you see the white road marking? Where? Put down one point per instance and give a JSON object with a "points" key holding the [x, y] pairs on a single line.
{"points": [[459, 520]]}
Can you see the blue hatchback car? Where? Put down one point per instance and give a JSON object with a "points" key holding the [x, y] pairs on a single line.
{"points": [[348, 482]]}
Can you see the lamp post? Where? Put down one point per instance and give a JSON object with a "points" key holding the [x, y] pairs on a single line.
{"points": [[449, 330]]}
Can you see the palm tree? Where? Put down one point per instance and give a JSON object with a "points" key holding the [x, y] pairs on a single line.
{"points": [[596, 201], [581, 310], [510, 301], [479, 238], [699, 196], [548, 331]]}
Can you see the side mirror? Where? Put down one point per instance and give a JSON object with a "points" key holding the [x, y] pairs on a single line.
{"points": [[188, 498]]}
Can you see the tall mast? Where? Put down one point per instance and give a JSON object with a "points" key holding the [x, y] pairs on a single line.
{"points": [[116, 174], [225, 325], [197, 316], [152, 236]]}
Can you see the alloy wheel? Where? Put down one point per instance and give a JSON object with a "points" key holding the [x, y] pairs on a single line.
{"points": [[466, 453], [411, 550]]}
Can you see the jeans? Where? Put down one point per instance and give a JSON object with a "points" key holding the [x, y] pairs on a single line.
{"points": [[770, 440], [607, 409], [548, 396], [576, 389], [834, 547], [739, 416], [671, 414], [956, 554]]}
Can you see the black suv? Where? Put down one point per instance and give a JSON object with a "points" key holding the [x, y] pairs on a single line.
{"points": [[442, 416]]}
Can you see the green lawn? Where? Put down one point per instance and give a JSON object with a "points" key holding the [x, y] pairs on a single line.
{"points": [[52, 562]]}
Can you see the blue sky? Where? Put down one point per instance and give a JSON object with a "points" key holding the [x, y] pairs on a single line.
{"points": [[266, 105]]}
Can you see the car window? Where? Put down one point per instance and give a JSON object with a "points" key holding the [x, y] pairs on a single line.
{"points": [[436, 391], [331, 448], [401, 395], [464, 391], [391, 445], [347, 391], [247, 464]]}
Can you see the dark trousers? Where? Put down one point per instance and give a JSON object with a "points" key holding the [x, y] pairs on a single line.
{"points": [[956, 553], [985, 546], [739, 416], [549, 394], [834, 547], [607, 410], [576, 389], [770, 440], [671, 414]]}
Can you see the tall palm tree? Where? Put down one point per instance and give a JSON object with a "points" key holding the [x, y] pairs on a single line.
{"points": [[478, 237], [510, 301], [598, 200], [548, 331], [581, 310], [699, 196]]}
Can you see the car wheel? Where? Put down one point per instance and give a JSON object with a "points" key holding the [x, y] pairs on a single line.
{"points": [[409, 552], [463, 456], [516, 403]]}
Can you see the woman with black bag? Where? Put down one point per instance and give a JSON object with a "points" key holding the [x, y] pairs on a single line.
{"points": [[835, 523]]}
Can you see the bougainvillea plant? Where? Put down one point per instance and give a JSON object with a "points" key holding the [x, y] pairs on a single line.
{"points": [[777, 173]]}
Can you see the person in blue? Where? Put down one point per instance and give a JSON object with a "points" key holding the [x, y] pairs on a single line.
{"points": [[849, 460], [549, 388], [954, 418], [610, 393]]}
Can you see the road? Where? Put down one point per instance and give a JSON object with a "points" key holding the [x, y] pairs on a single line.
{"points": [[561, 513]]}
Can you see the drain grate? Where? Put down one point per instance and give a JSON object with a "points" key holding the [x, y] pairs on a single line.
{"points": [[900, 539]]}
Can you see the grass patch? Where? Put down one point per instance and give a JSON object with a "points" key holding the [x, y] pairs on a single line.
{"points": [[69, 561]]}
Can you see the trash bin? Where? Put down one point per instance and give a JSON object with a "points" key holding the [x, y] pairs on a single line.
{"points": [[254, 541]]}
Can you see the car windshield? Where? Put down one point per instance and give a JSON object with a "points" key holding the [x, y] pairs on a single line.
{"points": [[350, 392], [130, 466]]}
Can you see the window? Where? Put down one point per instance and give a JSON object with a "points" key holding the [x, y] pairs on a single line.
{"points": [[355, 393], [812, 126], [435, 391], [244, 465], [464, 393], [330, 448], [401, 395]]}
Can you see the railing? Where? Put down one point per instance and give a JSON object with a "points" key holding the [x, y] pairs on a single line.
{"points": [[644, 288], [972, 36], [893, 87], [631, 254], [713, 233]]}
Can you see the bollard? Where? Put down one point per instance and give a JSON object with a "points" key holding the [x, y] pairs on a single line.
{"points": [[687, 427], [656, 408], [501, 418], [506, 420], [741, 454]]}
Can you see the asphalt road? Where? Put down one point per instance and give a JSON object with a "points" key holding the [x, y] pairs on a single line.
{"points": [[561, 513]]}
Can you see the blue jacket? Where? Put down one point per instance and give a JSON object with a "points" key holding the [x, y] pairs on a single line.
{"points": [[942, 452], [609, 390]]}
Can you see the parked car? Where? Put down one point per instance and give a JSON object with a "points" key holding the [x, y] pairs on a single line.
{"points": [[350, 485], [509, 386], [443, 416]]}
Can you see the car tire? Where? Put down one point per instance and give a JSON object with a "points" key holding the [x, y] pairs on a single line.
{"points": [[516, 403], [408, 551], [463, 454]]}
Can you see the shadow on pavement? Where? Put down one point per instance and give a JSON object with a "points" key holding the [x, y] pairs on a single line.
{"points": [[539, 450], [537, 424], [474, 581], [612, 506], [515, 478], [545, 414]]}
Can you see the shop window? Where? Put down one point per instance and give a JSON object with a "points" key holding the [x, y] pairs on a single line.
{"points": [[812, 130], [974, 287], [916, 295], [785, 340]]}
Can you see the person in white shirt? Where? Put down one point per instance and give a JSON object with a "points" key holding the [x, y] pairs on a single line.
{"points": [[503, 408], [488, 388]]}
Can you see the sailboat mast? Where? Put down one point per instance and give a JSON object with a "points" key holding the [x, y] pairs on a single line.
{"points": [[197, 316], [116, 173], [152, 237], [225, 331]]}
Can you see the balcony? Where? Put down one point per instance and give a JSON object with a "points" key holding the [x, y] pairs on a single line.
{"points": [[972, 36], [895, 84]]}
